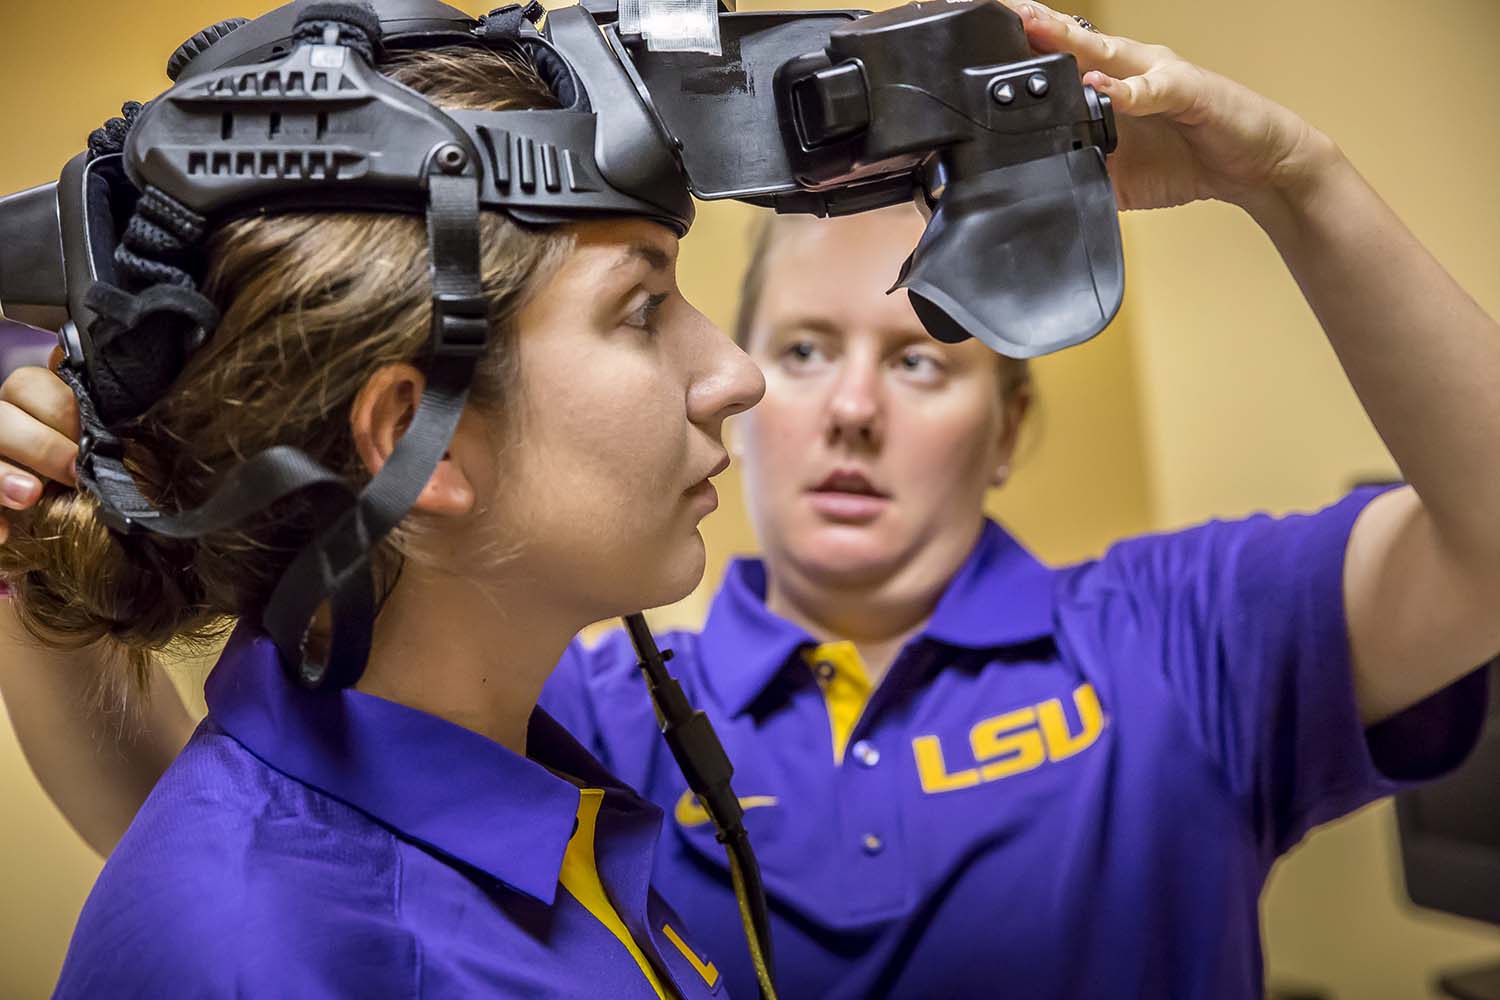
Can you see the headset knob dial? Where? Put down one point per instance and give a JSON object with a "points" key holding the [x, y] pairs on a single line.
{"points": [[199, 44]]}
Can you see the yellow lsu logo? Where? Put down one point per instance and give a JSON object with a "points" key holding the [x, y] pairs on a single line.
{"points": [[1013, 743]]}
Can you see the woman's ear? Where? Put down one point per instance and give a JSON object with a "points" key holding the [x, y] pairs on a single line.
{"points": [[1016, 405], [382, 412]]}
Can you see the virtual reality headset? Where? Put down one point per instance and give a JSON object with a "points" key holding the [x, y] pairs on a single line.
{"points": [[824, 113]]}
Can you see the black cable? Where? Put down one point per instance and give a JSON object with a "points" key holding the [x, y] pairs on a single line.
{"points": [[701, 758]]}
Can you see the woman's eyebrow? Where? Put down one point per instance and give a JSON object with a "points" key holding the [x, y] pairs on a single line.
{"points": [[808, 324], [655, 257]]}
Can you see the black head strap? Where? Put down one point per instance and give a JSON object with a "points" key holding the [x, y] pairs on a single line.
{"points": [[146, 330], [336, 568]]}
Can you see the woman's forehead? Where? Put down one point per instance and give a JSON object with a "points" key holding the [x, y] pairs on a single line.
{"points": [[622, 235], [885, 233], [609, 252]]}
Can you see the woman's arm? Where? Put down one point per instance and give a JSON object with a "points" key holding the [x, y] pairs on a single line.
{"points": [[1422, 573], [96, 758]]}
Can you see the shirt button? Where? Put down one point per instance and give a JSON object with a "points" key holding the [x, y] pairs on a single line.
{"points": [[866, 754], [872, 844]]}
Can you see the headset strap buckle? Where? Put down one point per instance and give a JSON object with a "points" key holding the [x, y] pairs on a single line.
{"points": [[460, 325]]}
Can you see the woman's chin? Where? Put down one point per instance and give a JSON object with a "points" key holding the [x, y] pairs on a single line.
{"points": [[847, 558], [665, 579]]}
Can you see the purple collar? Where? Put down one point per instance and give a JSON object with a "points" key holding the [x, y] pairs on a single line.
{"points": [[1001, 596], [430, 781]]}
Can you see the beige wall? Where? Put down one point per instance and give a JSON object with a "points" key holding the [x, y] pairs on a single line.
{"points": [[1212, 394]]}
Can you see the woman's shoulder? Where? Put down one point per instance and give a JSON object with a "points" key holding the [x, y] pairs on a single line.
{"points": [[1259, 552], [178, 937], [230, 872], [217, 783], [220, 811]]}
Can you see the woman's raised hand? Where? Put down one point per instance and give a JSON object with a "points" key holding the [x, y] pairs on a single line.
{"points": [[38, 437], [1186, 133]]}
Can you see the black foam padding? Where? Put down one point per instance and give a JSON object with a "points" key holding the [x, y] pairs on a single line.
{"points": [[358, 23], [110, 138]]}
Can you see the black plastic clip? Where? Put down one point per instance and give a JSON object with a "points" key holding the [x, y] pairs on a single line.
{"points": [[460, 325], [511, 21], [94, 444]]}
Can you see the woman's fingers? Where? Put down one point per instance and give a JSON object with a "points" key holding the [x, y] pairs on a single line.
{"points": [[1138, 78], [39, 429], [19, 489], [39, 393], [1163, 90], [31, 449], [1121, 58]]}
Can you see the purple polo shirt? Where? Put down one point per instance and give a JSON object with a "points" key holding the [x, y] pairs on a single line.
{"points": [[1071, 784], [340, 845]]}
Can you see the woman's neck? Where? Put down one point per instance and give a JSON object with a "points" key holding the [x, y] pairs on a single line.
{"points": [[878, 616], [834, 617], [473, 656]]}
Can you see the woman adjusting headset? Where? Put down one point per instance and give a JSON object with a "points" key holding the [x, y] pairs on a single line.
{"points": [[964, 771]]}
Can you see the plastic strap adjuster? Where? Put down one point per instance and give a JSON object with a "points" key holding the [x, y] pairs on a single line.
{"points": [[460, 325]]}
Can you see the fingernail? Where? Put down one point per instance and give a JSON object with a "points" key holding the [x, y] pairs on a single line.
{"points": [[19, 490]]}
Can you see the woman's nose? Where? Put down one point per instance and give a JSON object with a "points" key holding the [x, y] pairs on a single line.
{"points": [[730, 384], [854, 408]]}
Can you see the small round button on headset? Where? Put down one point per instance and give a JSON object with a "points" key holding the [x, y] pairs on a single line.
{"points": [[452, 159], [1036, 85], [872, 844], [866, 754], [1003, 93]]}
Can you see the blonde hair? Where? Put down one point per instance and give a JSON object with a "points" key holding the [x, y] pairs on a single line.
{"points": [[312, 305]]}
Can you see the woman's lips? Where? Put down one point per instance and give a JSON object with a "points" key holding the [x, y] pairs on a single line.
{"points": [[848, 508], [847, 496], [703, 497]]}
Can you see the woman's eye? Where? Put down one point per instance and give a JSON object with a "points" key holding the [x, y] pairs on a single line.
{"points": [[801, 352], [645, 317], [920, 364]]}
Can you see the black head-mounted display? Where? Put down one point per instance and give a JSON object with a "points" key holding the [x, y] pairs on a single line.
{"points": [[823, 113]]}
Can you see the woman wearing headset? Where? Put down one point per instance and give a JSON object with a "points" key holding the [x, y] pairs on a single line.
{"points": [[968, 774], [430, 832]]}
